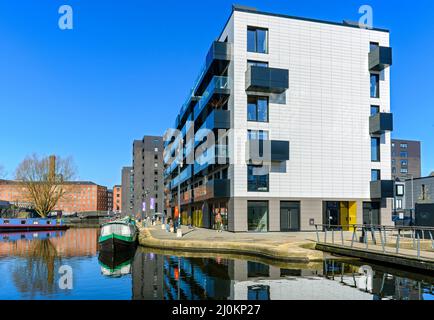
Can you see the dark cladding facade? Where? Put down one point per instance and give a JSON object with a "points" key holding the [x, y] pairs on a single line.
{"points": [[406, 161], [148, 193], [127, 191]]}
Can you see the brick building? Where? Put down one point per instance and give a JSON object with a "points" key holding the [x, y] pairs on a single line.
{"points": [[117, 199], [81, 196]]}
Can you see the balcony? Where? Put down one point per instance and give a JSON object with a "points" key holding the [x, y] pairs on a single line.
{"points": [[218, 87], [380, 123], [215, 155], [259, 151], [382, 189], [186, 197], [218, 119], [184, 176], [380, 58], [268, 80], [216, 188], [217, 60]]}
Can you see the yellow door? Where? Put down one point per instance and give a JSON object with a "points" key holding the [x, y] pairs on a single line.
{"points": [[352, 214], [344, 215]]}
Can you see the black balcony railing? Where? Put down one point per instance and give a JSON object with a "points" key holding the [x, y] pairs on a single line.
{"points": [[380, 58], [268, 80], [380, 123], [382, 189]]}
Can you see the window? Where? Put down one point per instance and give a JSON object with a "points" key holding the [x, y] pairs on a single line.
{"points": [[257, 178], [393, 144], [403, 154], [404, 145], [375, 149], [398, 203], [373, 46], [257, 135], [155, 149], [404, 170], [156, 165], [393, 170], [257, 109], [404, 163], [423, 193], [257, 216], [375, 175], [393, 162], [155, 156], [257, 63], [257, 40], [375, 110], [399, 190], [375, 85]]}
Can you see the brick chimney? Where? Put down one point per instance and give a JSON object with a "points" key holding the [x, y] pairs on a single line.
{"points": [[52, 167]]}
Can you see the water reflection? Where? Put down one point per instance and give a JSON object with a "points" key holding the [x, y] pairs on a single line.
{"points": [[116, 264], [167, 277], [29, 265]]}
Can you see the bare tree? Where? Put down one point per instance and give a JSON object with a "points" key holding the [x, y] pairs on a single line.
{"points": [[2, 172], [44, 179]]}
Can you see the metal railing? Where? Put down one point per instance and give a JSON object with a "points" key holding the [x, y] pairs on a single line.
{"points": [[408, 240]]}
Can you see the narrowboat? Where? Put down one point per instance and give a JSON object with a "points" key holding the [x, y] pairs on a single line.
{"points": [[116, 264], [118, 235], [31, 224]]}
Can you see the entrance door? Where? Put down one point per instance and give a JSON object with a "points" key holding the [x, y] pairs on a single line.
{"points": [[371, 213], [289, 216], [331, 214]]}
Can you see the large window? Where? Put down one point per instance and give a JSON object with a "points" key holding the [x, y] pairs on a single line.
{"points": [[403, 154], [375, 149], [375, 175], [257, 40], [257, 178], [257, 216], [257, 109], [375, 85]]}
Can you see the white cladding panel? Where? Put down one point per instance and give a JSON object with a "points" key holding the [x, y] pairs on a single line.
{"points": [[326, 111]]}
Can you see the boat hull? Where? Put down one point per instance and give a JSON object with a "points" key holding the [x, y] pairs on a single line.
{"points": [[24, 228], [114, 243]]}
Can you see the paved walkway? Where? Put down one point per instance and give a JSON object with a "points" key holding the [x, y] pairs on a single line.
{"points": [[294, 247]]}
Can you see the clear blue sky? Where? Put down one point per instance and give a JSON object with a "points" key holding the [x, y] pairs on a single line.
{"points": [[126, 68]]}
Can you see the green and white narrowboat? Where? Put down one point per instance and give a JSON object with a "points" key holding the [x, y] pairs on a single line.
{"points": [[118, 235]]}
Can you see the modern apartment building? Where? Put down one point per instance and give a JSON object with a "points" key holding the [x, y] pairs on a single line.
{"points": [[117, 199], [406, 161], [80, 196], [127, 191], [287, 126], [148, 193]]}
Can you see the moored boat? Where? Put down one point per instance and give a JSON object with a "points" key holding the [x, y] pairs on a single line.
{"points": [[31, 224], [118, 235]]}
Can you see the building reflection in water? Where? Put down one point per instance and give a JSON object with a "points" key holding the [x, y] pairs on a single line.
{"points": [[160, 277], [38, 256], [78, 242]]}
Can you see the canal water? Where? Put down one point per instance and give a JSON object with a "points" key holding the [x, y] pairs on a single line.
{"points": [[67, 265]]}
